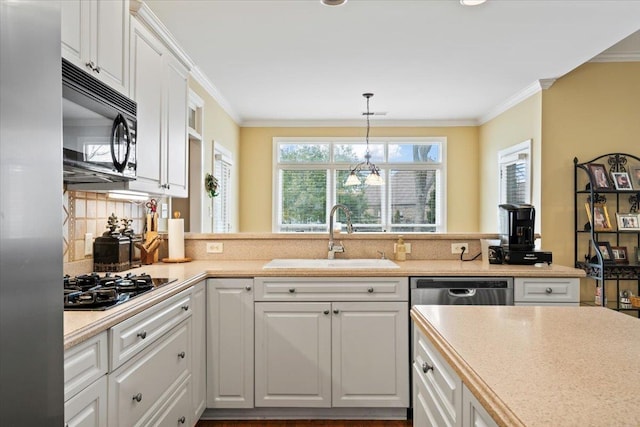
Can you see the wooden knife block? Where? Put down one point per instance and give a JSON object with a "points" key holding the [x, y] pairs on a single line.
{"points": [[152, 256]]}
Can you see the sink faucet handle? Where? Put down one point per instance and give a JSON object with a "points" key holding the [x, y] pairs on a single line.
{"points": [[382, 254]]}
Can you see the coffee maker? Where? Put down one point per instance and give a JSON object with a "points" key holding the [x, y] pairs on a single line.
{"points": [[517, 235]]}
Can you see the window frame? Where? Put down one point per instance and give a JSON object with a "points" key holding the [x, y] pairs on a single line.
{"points": [[518, 153], [332, 167]]}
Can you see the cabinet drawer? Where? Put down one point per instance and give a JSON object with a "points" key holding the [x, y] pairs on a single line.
{"points": [[547, 290], [137, 388], [88, 408], [176, 409], [84, 363], [444, 383], [331, 288], [138, 332]]}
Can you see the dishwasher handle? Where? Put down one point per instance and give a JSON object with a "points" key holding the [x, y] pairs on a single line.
{"points": [[456, 292]]}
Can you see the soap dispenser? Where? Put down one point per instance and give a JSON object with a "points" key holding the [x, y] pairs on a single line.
{"points": [[401, 250]]}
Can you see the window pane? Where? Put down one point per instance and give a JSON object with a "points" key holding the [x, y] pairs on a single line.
{"points": [[414, 153], [354, 153], [413, 200], [303, 153], [304, 199], [364, 202], [515, 183]]}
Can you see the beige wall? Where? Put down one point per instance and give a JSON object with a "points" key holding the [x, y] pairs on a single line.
{"points": [[592, 111], [256, 154], [218, 126], [518, 124]]}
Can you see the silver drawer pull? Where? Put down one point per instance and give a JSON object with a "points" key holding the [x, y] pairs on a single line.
{"points": [[182, 354], [185, 307], [370, 290], [548, 290], [182, 420], [292, 290], [142, 334], [248, 288], [137, 397], [426, 367], [336, 311]]}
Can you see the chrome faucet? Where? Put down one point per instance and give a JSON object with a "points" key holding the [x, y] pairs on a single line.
{"points": [[333, 247]]}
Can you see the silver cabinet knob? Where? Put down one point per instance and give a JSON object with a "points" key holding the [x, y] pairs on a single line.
{"points": [[185, 307], [137, 397], [90, 65], [96, 69], [292, 290], [248, 288], [326, 312], [426, 367], [182, 355], [182, 420], [548, 290], [336, 311], [142, 334], [370, 290]]}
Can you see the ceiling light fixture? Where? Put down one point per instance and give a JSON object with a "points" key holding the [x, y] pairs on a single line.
{"points": [[471, 2], [333, 2], [374, 177]]}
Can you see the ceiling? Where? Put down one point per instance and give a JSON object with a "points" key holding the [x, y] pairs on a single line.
{"points": [[427, 61]]}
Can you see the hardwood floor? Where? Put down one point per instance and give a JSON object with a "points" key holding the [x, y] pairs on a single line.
{"points": [[306, 423]]}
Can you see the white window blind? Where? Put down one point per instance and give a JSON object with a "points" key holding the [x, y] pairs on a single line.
{"points": [[515, 174], [221, 207]]}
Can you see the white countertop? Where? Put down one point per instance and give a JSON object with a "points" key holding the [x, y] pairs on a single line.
{"points": [[542, 366]]}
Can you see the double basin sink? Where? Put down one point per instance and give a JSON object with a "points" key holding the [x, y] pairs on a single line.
{"points": [[363, 263]]}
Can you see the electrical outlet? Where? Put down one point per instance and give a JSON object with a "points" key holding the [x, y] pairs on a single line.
{"points": [[456, 248], [88, 244], [214, 247]]}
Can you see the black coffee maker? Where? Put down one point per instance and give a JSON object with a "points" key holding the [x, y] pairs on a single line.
{"points": [[517, 235]]}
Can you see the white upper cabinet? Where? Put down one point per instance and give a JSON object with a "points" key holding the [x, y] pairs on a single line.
{"points": [[95, 37]]}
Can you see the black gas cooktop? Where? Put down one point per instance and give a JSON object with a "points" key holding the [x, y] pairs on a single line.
{"points": [[100, 292]]}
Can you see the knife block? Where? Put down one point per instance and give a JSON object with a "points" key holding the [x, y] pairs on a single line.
{"points": [[151, 256]]}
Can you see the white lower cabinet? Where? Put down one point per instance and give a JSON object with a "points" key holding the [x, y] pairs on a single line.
{"points": [[88, 408], [550, 291], [199, 350], [325, 346], [230, 343], [439, 396]]}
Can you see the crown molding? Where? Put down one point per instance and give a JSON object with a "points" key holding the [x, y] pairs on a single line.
{"points": [[356, 123], [617, 57], [204, 81], [514, 100]]}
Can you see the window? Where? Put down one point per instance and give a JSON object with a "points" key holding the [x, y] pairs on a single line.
{"points": [[222, 164], [515, 173], [309, 176]]}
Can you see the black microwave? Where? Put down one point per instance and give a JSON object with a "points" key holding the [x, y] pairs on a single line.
{"points": [[98, 130]]}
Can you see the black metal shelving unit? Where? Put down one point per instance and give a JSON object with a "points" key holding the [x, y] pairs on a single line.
{"points": [[587, 254]]}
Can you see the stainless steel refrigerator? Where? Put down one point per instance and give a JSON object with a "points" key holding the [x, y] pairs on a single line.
{"points": [[31, 310]]}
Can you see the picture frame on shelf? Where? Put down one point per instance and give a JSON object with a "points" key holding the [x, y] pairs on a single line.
{"points": [[621, 181], [607, 253], [601, 222], [628, 221], [599, 176], [635, 177], [620, 255]]}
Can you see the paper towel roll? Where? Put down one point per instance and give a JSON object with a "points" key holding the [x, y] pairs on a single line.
{"points": [[176, 238]]}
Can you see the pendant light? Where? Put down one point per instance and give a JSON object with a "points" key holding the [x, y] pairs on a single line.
{"points": [[374, 177]]}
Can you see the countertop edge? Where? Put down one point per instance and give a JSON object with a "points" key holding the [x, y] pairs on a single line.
{"points": [[500, 412]]}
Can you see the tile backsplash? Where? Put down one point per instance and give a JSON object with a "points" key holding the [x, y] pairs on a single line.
{"points": [[85, 212]]}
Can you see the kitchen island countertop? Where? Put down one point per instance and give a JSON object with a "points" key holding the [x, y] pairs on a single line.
{"points": [[81, 325], [542, 366]]}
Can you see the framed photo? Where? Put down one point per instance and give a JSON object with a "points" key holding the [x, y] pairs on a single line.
{"points": [[620, 254], [621, 181], [635, 177], [599, 176], [607, 253], [601, 221], [628, 221]]}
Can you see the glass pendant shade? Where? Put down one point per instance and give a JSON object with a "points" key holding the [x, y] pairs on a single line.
{"points": [[374, 178], [352, 179]]}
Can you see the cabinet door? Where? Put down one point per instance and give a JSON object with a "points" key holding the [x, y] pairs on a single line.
{"points": [[230, 343], [426, 410], [147, 58], [88, 408], [473, 413], [370, 361], [110, 51], [293, 354], [76, 36], [176, 128], [198, 353]]}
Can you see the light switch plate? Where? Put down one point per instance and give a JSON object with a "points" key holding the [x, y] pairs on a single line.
{"points": [[214, 247]]}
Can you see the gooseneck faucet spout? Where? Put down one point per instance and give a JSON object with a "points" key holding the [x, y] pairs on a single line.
{"points": [[333, 247]]}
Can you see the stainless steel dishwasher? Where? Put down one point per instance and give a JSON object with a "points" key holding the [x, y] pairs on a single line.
{"points": [[461, 291]]}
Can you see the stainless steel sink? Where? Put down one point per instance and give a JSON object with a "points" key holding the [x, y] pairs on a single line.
{"points": [[292, 263]]}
